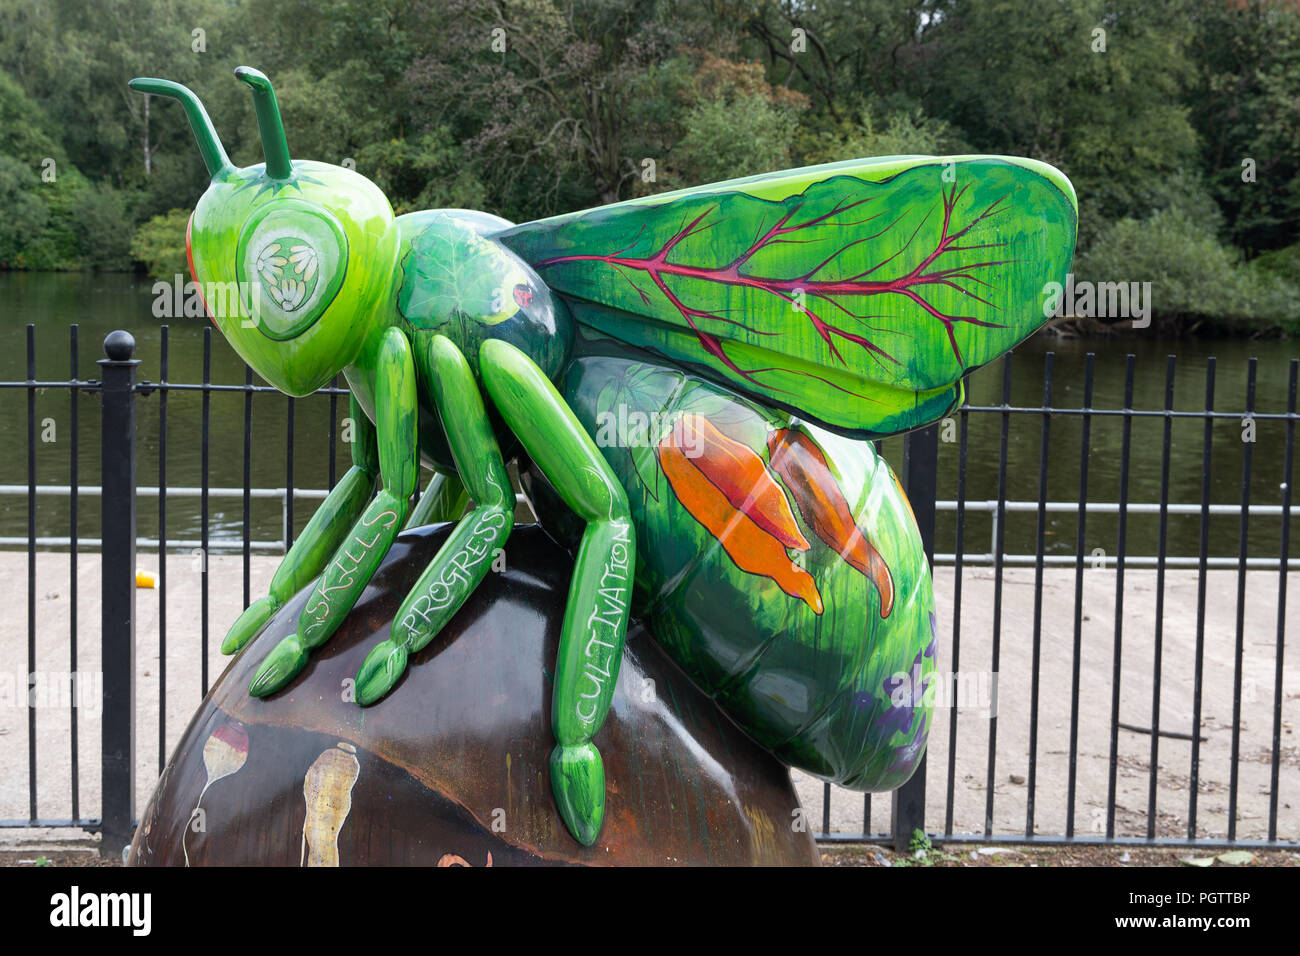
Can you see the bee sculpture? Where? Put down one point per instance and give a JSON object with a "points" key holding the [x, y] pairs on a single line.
{"points": [[690, 384]]}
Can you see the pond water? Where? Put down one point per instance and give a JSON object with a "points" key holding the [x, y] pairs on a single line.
{"points": [[101, 303]]}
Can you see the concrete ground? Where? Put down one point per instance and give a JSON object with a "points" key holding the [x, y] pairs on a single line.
{"points": [[1011, 768], [1013, 697]]}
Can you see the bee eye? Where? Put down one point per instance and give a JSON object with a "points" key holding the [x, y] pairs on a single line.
{"points": [[290, 263]]}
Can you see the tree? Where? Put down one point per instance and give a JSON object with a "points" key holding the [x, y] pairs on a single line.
{"points": [[1092, 87], [839, 52], [26, 212], [1244, 105], [543, 91]]}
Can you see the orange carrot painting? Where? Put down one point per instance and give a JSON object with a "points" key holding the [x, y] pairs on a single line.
{"points": [[726, 487], [802, 466]]}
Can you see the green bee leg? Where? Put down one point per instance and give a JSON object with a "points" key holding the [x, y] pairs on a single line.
{"points": [[443, 500], [595, 616], [369, 539], [319, 539], [464, 559]]}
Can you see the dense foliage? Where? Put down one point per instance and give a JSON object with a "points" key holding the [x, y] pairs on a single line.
{"points": [[1177, 120]]}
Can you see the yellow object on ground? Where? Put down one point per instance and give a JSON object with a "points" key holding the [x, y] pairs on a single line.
{"points": [[145, 579]]}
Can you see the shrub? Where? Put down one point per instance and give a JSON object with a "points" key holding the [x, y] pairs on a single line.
{"points": [[103, 228], [42, 228], [1192, 273], [883, 131], [730, 137], [428, 172], [26, 212], [160, 244], [1284, 263]]}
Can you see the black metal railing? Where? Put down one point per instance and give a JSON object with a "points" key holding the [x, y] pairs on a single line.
{"points": [[1005, 411], [932, 468]]}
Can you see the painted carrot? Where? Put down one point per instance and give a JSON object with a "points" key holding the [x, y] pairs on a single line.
{"points": [[752, 548], [742, 476], [801, 464]]}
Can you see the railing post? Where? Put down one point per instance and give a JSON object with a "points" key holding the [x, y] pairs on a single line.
{"points": [[920, 465], [117, 637]]}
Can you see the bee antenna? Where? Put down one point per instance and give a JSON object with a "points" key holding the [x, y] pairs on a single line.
{"points": [[214, 154], [269, 125]]}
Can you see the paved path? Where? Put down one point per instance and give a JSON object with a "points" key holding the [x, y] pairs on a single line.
{"points": [[1011, 769]]}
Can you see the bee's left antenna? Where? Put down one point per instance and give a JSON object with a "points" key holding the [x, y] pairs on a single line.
{"points": [[214, 154], [269, 124]]}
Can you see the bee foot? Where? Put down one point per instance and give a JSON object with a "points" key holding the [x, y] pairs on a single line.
{"points": [[578, 782], [282, 665], [382, 669], [249, 624]]}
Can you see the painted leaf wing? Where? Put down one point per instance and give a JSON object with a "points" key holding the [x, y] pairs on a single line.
{"points": [[857, 294]]}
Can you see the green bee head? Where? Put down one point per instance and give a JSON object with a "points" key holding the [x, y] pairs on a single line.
{"points": [[295, 259]]}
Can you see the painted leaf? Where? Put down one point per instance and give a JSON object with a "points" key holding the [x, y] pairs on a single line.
{"points": [[857, 294], [806, 685], [450, 270]]}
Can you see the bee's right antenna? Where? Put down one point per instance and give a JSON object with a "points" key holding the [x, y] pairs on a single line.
{"points": [[214, 154]]}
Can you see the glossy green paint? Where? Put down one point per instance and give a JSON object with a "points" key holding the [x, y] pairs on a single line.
{"points": [[269, 125], [596, 613], [464, 560], [355, 561], [237, 226], [296, 267], [867, 289], [444, 499], [853, 293], [205, 134], [457, 283], [811, 687]]}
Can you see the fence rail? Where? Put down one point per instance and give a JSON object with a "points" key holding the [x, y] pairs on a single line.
{"points": [[120, 391], [285, 496]]}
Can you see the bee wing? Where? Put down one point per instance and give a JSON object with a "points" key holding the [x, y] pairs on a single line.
{"points": [[857, 294]]}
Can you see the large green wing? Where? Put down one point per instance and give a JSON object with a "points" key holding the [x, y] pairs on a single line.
{"points": [[857, 294]]}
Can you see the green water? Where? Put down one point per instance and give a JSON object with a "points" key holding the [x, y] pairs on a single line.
{"points": [[101, 303]]}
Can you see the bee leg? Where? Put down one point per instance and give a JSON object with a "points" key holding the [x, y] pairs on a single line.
{"points": [[318, 540], [369, 539], [467, 554], [444, 499], [595, 616]]}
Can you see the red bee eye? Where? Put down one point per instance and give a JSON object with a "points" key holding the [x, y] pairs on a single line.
{"points": [[523, 296]]}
